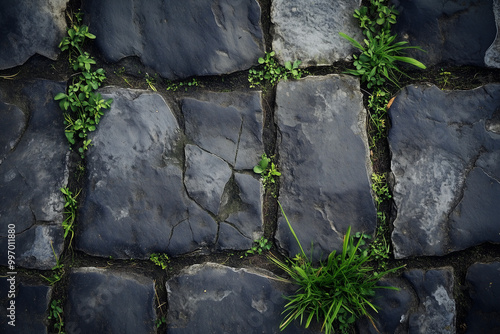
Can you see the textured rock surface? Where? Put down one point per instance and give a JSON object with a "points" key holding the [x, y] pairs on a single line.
{"points": [[424, 304], [213, 298], [455, 32], [445, 148], [237, 115], [138, 200], [135, 202], [492, 55], [105, 301], [31, 303], [436, 311], [226, 129], [32, 171], [310, 31], [395, 307], [484, 283], [29, 28], [179, 38], [324, 162]]}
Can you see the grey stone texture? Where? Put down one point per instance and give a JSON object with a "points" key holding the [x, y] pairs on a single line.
{"points": [[32, 171], [139, 199], [436, 312], [107, 301], [445, 148], [492, 55], [324, 160], [483, 280], [135, 203], [423, 304], [308, 30], [30, 28], [213, 298], [451, 32], [179, 38], [28, 313]]}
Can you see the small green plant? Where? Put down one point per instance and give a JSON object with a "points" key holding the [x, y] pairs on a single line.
{"points": [[56, 315], [160, 321], [337, 292], [379, 51], [445, 78], [273, 72], [380, 188], [82, 107], [260, 245], [57, 270], [70, 208], [267, 170], [174, 86], [77, 34], [377, 109], [160, 260], [151, 81]]}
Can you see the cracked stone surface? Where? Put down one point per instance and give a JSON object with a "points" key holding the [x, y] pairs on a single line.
{"points": [[179, 38], [324, 187], [206, 177], [134, 202], [484, 290], [31, 306], [215, 298], [107, 301], [238, 116], [138, 200], [32, 171], [227, 129], [445, 147], [310, 32], [451, 32], [423, 304], [30, 28]]}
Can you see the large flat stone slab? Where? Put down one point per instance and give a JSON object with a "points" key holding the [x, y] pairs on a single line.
{"points": [[226, 132], [423, 304], [28, 312], [445, 149], [213, 298], [148, 191], [451, 32], [32, 171], [106, 301], [179, 38], [323, 157], [30, 28], [484, 290], [134, 202], [309, 31]]}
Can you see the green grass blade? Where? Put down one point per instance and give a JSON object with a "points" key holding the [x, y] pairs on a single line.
{"points": [[352, 41], [411, 61]]}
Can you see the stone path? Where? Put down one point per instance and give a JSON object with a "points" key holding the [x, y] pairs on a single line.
{"points": [[171, 172]]}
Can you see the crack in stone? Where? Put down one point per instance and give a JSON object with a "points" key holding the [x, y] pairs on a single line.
{"points": [[471, 165], [239, 139]]}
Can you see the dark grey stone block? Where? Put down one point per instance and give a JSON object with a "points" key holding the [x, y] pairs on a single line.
{"points": [[324, 187], [30, 27], [31, 174], [180, 38], [106, 301], [446, 176]]}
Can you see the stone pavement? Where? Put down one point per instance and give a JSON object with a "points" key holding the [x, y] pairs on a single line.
{"points": [[171, 172]]}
